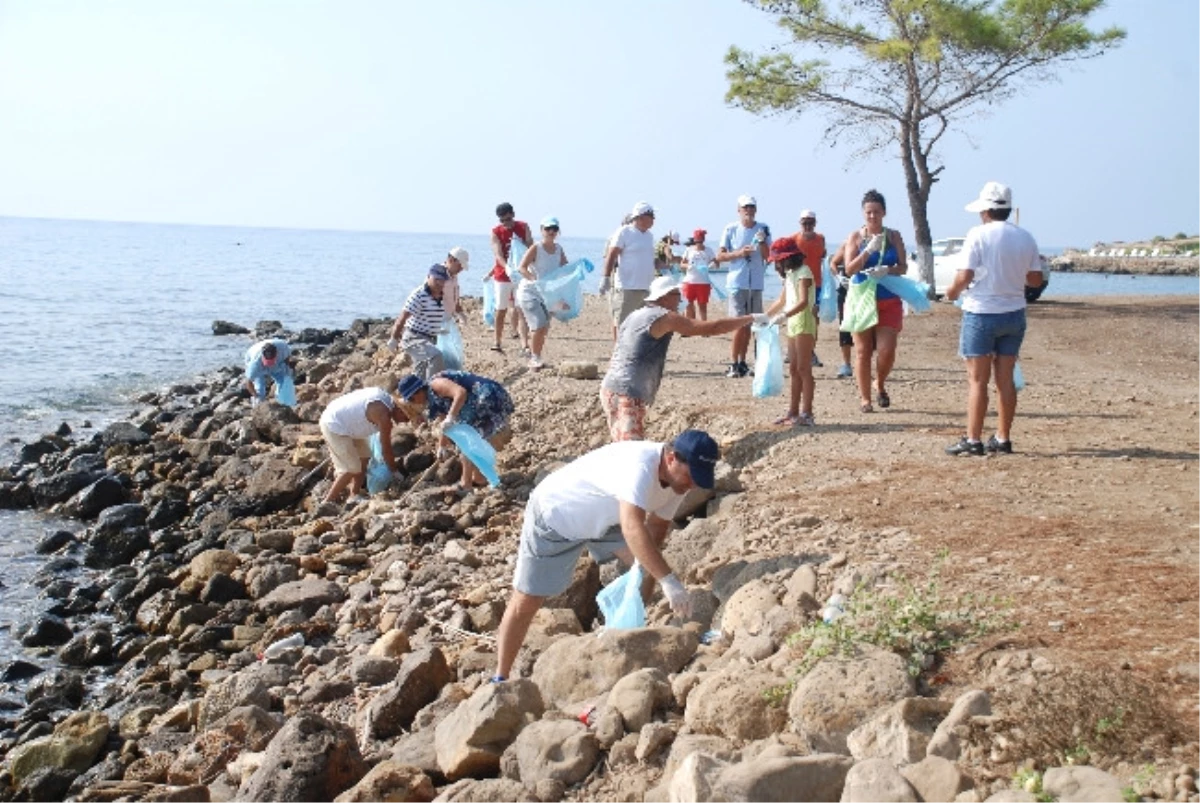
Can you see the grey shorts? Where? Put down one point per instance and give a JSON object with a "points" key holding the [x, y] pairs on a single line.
{"points": [[625, 302], [534, 309], [745, 302], [426, 357], [546, 561]]}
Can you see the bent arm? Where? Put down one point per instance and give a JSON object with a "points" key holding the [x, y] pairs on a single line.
{"points": [[449, 389], [642, 542], [398, 326], [526, 261]]}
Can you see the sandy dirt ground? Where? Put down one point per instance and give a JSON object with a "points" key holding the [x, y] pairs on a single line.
{"points": [[1090, 528]]}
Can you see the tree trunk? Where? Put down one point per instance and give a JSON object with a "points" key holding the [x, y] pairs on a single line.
{"points": [[918, 205]]}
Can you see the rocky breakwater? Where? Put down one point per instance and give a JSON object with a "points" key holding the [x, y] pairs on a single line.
{"points": [[1074, 262], [203, 551]]}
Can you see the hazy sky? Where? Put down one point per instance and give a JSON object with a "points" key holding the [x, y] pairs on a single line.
{"points": [[422, 116]]}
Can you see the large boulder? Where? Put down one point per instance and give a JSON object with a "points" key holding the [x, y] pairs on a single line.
{"points": [[390, 781], [73, 746], [421, 677], [311, 758], [307, 596], [558, 750], [946, 742], [61, 486], [934, 778], [638, 695], [820, 776], [123, 432], [275, 484], [574, 669], [244, 688], [746, 611], [580, 596], [876, 779], [739, 704], [1069, 784], [840, 693], [899, 733], [100, 495], [470, 741]]}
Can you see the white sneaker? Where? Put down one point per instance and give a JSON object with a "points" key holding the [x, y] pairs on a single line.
{"points": [[845, 372], [535, 362]]}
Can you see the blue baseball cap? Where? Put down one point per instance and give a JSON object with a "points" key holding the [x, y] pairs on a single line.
{"points": [[550, 222], [697, 448], [438, 271], [410, 385]]}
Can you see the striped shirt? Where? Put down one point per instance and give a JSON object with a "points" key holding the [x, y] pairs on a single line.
{"points": [[426, 314]]}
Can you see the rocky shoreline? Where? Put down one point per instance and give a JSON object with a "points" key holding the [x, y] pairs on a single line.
{"points": [[1149, 266], [149, 677]]}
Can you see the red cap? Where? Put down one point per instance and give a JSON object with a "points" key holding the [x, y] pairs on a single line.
{"points": [[783, 248], [698, 234]]}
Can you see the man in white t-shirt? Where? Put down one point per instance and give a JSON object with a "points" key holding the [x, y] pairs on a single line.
{"points": [[1001, 259], [617, 500], [631, 256]]}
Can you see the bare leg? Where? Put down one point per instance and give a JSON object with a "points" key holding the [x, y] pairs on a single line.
{"points": [[845, 355], [978, 373], [739, 345], [1006, 395], [521, 327], [885, 354], [499, 327], [703, 311], [539, 341], [691, 310], [863, 348], [513, 628], [797, 383], [802, 362], [340, 483]]}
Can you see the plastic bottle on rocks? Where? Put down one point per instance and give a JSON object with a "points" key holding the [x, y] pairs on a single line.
{"points": [[834, 609], [278, 648]]}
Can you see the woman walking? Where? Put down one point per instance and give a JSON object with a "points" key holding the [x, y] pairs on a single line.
{"points": [[537, 263]]}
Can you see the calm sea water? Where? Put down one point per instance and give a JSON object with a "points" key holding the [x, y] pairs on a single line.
{"points": [[92, 313]]}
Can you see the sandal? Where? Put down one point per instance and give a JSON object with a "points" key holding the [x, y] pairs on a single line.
{"points": [[884, 400], [806, 420], [867, 408], [786, 421], [498, 348]]}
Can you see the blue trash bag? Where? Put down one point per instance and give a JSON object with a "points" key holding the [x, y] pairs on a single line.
{"points": [[450, 343], [915, 294], [379, 476], [827, 299], [768, 362], [489, 301], [562, 289], [476, 449], [285, 390], [516, 252], [1018, 376], [721, 296], [621, 601]]}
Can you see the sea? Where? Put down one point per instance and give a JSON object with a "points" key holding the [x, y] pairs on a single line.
{"points": [[92, 314]]}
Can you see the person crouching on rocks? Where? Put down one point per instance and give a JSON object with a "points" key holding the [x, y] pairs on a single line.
{"points": [[347, 424], [418, 325], [267, 359], [616, 501], [462, 397]]}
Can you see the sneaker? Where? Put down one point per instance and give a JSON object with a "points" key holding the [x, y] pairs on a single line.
{"points": [[806, 420], [966, 447], [745, 370], [536, 363], [734, 372], [994, 445], [845, 372], [816, 361]]}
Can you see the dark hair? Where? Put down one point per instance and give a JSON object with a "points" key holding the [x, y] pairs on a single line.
{"points": [[876, 196], [782, 266], [999, 214], [269, 351], [504, 209]]}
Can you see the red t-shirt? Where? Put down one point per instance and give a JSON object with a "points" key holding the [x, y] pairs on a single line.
{"points": [[813, 251], [521, 229]]}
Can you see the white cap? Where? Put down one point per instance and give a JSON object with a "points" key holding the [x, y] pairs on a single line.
{"points": [[673, 236], [642, 208], [808, 213], [460, 253], [994, 195], [662, 286], [746, 200]]}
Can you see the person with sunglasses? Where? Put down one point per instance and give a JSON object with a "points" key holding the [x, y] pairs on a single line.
{"points": [[539, 261], [502, 237]]}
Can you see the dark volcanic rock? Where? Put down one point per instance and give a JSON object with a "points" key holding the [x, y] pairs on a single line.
{"points": [[47, 631], [311, 758], [104, 493], [15, 496], [121, 517], [55, 541], [124, 432], [61, 486], [107, 548], [227, 328]]}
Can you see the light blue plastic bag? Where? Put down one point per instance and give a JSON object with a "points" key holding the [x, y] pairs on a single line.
{"points": [[476, 449], [721, 296], [450, 343], [562, 289], [621, 601], [768, 362], [1018, 376], [827, 299], [379, 476], [489, 301], [915, 294], [285, 390]]}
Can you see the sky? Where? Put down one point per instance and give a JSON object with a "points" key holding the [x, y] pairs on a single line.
{"points": [[421, 117]]}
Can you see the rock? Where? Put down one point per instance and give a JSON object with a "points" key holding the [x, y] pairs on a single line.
{"points": [[48, 783], [311, 758], [47, 630], [73, 746], [746, 610], [738, 704], [276, 484], [687, 743], [876, 779], [840, 693], [934, 778], [471, 791], [123, 432], [945, 742], [16, 496], [391, 644], [560, 750], [695, 778], [422, 675], [685, 550], [62, 486], [638, 695], [653, 737], [471, 740], [100, 495], [576, 668], [1012, 796], [116, 545], [212, 561], [268, 421], [900, 733], [578, 369], [372, 670], [220, 589], [390, 781], [226, 328], [202, 760], [307, 596], [1068, 784], [455, 552], [250, 726], [241, 689], [820, 776], [580, 596]]}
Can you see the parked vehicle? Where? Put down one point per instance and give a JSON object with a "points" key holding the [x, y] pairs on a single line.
{"points": [[948, 257]]}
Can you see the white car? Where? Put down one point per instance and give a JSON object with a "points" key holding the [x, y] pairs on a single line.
{"points": [[948, 258]]}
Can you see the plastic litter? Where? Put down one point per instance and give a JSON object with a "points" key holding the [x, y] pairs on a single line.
{"points": [[711, 637], [835, 608], [473, 447], [768, 362], [562, 289], [278, 648], [827, 299], [285, 391], [720, 294], [450, 343], [621, 601], [1018, 376], [379, 476], [489, 301], [914, 293]]}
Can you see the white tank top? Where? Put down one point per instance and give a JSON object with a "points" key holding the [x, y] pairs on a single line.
{"points": [[347, 415], [544, 261]]}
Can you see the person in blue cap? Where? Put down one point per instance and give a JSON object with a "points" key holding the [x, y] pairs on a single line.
{"points": [[616, 501], [452, 397], [266, 359], [420, 322]]}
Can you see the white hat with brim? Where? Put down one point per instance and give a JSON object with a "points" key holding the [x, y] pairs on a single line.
{"points": [[994, 195], [460, 253], [662, 286]]}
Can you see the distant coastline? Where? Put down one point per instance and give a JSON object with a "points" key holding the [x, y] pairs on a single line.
{"points": [[1178, 257]]}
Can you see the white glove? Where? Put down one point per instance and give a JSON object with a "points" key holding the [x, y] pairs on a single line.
{"points": [[393, 344], [875, 243], [779, 318], [760, 236], [878, 272], [255, 401], [605, 285], [762, 319], [441, 452], [843, 280], [677, 595], [446, 423]]}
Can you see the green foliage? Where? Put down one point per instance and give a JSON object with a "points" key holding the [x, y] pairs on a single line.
{"points": [[1031, 781]]}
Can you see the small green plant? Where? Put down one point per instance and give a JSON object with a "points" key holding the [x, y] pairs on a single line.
{"points": [[1079, 754], [1109, 725], [1031, 781], [778, 695], [1139, 784]]}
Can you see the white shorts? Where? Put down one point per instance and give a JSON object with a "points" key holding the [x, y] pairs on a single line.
{"points": [[504, 296], [346, 453]]}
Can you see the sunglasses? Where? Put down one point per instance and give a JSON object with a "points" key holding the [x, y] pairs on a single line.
{"points": [[808, 221], [553, 229]]}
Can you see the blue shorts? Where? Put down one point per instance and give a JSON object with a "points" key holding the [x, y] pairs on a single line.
{"points": [[991, 334]]}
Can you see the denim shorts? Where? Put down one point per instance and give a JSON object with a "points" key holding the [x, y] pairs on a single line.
{"points": [[991, 334]]}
